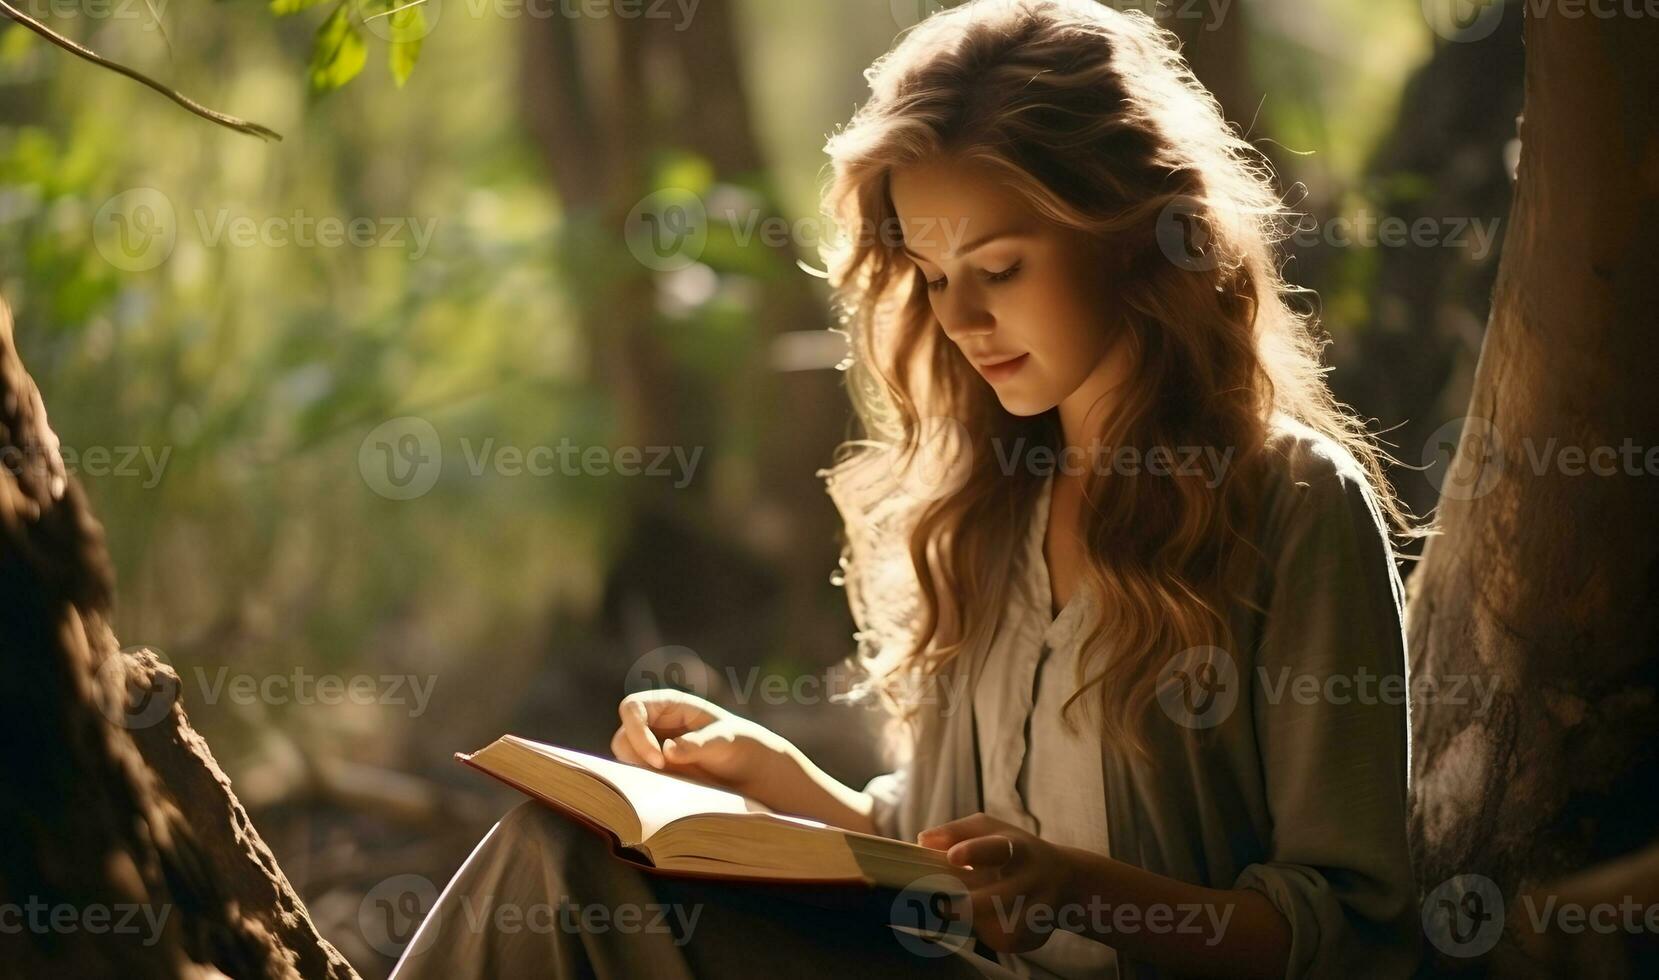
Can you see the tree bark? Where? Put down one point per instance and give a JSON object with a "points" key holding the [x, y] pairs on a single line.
{"points": [[1545, 581], [124, 848]]}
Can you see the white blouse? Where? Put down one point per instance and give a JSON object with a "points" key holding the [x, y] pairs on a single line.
{"points": [[1034, 773]]}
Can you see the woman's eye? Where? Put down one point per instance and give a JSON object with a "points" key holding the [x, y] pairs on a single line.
{"points": [[935, 285]]}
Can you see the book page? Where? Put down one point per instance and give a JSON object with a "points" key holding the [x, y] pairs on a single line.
{"points": [[657, 797]]}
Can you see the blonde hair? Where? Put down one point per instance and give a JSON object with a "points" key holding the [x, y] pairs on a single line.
{"points": [[1091, 116]]}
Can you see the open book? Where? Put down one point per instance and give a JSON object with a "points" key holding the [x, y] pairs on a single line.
{"points": [[677, 825]]}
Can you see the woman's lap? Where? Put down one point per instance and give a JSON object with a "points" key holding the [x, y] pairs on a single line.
{"points": [[543, 896]]}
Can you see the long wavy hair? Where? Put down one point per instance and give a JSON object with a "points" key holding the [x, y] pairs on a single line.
{"points": [[1091, 116]]}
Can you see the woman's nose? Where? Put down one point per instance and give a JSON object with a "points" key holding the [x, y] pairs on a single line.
{"points": [[961, 314]]}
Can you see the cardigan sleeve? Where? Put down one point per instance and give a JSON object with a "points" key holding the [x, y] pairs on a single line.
{"points": [[1331, 719]]}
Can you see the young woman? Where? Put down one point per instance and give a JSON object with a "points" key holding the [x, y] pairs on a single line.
{"points": [[1120, 563]]}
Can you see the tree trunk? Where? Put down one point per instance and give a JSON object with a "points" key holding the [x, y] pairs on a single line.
{"points": [[1546, 579], [601, 130], [125, 851]]}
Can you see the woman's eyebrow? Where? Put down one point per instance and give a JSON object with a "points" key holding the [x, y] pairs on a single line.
{"points": [[970, 246]]}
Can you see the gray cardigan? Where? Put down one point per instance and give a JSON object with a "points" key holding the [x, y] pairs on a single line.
{"points": [[1297, 794]]}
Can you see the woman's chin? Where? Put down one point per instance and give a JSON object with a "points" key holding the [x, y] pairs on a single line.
{"points": [[1022, 403]]}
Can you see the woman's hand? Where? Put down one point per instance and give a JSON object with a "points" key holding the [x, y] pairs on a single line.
{"points": [[685, 735], [1016, 881]]}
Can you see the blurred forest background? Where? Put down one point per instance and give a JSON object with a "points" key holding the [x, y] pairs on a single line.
{"points": [[234, 400]]}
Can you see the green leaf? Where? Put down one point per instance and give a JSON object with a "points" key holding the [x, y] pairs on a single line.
{"points": [[281, 7], [408, 25], [338, 53]]}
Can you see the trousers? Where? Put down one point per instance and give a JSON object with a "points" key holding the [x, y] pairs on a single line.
{"points": [[542, 896]]}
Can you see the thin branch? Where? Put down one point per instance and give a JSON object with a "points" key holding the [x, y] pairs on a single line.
{"points": [[230, 122]]}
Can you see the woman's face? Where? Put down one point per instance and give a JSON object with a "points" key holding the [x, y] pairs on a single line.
{"points": [[1026, 301]]}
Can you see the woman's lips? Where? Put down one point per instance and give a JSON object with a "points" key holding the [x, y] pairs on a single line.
{"points": [[1003, 370]]}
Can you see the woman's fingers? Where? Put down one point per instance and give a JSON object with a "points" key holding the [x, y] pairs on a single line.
{"points": [[636, 729], [994, 851], [646, 713], [622, 750], [960, 829], [709, 744]]}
